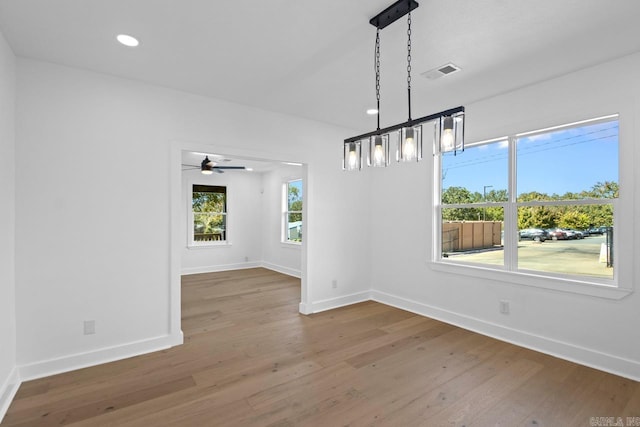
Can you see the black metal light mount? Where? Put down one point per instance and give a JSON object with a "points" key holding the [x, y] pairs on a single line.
{"points": [[393, 13]]}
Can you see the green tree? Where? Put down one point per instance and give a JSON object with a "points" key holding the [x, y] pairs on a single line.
{"points": [[455, 195], [536, 217], [208, 208], [294, 200], [604, 190], [574, 219], [533, 196]]}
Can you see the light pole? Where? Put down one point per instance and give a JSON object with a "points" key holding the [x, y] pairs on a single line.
{"points": [[484, 199]]}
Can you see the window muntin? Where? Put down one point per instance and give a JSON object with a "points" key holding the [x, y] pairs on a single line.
{"points": [[565, 177], [209, 210], [292, 214]]}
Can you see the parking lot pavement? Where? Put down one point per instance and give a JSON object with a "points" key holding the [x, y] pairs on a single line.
{"points": [[580, 257]]}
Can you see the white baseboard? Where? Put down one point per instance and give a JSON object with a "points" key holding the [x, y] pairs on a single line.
{"points": [[583, 356], [91, 358], [223, 267], [303, 308], [241, 266], [331, 303], [8, 390], [281, 269]]}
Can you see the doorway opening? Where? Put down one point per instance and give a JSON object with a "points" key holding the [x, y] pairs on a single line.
{"points": [[234, 216]]}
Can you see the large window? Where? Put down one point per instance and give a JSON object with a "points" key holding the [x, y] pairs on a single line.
{"points": [[209, 210], [292, 211], [541, 202]]}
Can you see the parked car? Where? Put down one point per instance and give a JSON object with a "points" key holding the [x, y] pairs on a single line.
{"points": [[579, 234], [535, 234], [597, 230], [556, 234]]}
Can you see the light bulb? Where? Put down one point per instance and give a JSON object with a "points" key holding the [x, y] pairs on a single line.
{"points": [[378, 155], [447, 139], [408, 147], [353, 159], [207, 172]]}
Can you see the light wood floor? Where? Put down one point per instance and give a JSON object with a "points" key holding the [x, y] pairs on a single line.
{"points": [[250, 359]]}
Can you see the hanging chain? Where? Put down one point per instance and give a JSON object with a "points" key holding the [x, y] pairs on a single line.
{"points": [[377, 67]]}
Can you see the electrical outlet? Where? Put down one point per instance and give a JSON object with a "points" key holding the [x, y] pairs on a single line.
{"points": [[89, 327], [504, 306], [334, 283]]}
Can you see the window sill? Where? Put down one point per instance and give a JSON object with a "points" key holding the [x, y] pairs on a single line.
{"points": [[208, 245], [559, 284], [291, 245]]}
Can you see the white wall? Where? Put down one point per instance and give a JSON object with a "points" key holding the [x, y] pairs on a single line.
{"points": [[92, 223], [8, 373], [244, 223], [596, 331], [284, 257]]}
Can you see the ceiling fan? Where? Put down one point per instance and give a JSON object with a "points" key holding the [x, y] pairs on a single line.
{"points": [[207, 167]]}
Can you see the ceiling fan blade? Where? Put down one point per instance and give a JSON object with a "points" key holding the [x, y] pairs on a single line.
{"points": [[229, 167], [189, 167]]}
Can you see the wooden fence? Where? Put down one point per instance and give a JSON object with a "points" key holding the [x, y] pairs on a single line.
{"points": [[468, 235]]}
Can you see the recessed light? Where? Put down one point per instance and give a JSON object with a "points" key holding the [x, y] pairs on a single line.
{"points": [[372, 111], [128, 40], [292, 163]]}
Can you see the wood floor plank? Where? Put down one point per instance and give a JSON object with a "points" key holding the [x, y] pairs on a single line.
{"points": [[250, 359]]}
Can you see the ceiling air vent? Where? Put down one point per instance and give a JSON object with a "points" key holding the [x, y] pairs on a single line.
{"points": [[443, 70]]}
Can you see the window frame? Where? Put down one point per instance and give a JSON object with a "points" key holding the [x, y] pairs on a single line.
{"points": [[191, 242], [509, 271], [284, 235]]}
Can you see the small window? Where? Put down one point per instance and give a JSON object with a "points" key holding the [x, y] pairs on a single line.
{"points": [[209, 209], [292, 202]]}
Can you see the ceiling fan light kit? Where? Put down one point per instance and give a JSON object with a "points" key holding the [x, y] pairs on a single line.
{"points": [[446, 127], [206, 167]]}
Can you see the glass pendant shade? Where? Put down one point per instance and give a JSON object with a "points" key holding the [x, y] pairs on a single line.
{"points": [[452, 133], [378, 151], [410, 144], [352, 160]]}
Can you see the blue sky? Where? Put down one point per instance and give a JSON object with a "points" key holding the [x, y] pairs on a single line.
{"points": [[557, 162]]}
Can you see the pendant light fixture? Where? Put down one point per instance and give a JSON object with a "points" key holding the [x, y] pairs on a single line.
{"points": [[352, 156], [448, 125], [452, 133]]}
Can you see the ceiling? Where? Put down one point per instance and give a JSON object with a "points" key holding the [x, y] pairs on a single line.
{"points": [[315, 58]]}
